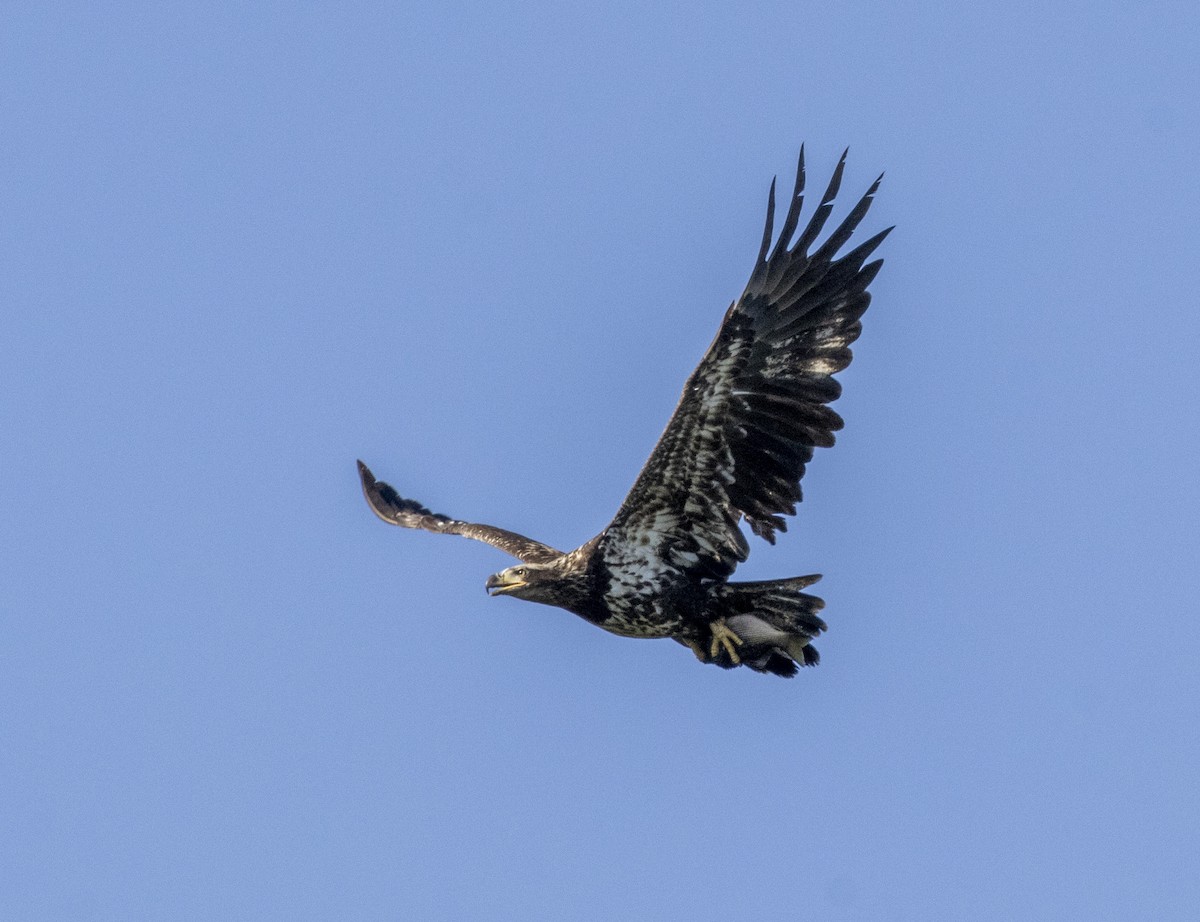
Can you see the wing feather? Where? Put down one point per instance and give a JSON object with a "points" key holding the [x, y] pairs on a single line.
{"points": [[756, 406], [394, 509]]}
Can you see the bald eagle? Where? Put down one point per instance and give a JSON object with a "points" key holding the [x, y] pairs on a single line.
{"points": [[735, 450]]}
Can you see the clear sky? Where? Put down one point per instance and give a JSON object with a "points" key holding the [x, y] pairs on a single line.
{"points": [[481, 245]]}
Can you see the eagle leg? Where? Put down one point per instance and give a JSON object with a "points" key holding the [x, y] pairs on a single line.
{"points": [[724, 637]]}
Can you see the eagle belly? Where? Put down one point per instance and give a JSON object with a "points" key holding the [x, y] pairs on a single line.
{"points": [[645, 594]]}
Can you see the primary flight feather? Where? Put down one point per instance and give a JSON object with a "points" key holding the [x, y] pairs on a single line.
{"points": [[735, 449]]}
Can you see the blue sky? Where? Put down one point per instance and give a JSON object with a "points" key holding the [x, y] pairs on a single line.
{"points": [[481, 246]]}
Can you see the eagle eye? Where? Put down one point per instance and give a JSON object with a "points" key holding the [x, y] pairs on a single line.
{"points": [[520, 571]]}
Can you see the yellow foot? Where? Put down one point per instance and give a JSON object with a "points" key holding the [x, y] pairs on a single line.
{"points": [[723, 637], [698, 650]]}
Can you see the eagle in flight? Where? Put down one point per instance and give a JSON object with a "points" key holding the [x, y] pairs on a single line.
{"points": [[735, 449]]}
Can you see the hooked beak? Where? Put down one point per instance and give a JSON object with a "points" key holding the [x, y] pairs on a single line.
{"points": [[500, 583]]}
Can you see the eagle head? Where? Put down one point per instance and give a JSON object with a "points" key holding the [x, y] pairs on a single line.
{"points": [[544, 583], [522, 581], [562, 581]]}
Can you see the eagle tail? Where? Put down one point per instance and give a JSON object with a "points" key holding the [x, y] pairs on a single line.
{"points": [[774, 619]]}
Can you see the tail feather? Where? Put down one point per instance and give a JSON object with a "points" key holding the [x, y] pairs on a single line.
{"points": [[775, 620]]}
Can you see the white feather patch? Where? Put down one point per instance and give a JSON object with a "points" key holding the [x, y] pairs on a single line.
{"points": [[754, 630]]}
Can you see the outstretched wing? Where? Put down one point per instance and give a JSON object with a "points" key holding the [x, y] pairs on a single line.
{"points": [[755, 408], [394, 509]]}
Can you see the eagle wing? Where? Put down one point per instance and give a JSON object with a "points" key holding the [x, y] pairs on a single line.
{"points": [[394, 509], [757, 405]]}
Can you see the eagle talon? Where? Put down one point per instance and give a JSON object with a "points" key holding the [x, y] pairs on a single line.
{"points": [[723, 637]]}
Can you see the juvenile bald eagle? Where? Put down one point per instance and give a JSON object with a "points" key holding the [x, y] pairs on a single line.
{"points": [[750, 416]]}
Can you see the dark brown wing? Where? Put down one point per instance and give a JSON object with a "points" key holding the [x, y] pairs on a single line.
{"points": [[755, 408], [394, 509]]}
